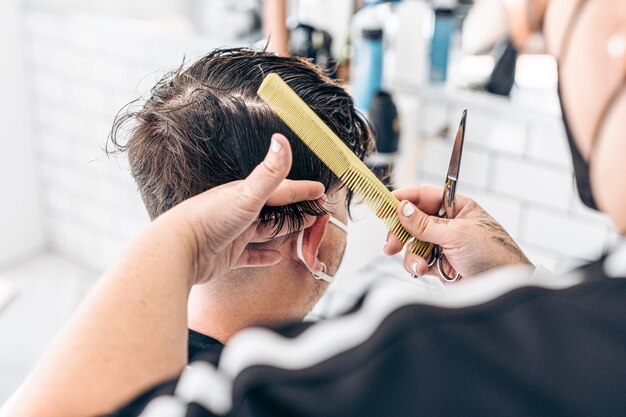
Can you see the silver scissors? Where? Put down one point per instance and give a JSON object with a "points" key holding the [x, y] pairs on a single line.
{"points": [[449, 193]]}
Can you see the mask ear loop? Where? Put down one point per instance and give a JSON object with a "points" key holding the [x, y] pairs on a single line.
{"points": [[339, 224], [323, 275], [318, 275]]}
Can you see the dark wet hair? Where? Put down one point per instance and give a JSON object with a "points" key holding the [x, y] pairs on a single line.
{"points": [[204, 126]]}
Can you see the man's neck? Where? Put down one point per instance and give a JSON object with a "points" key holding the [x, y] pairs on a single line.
{"points": [[219, 310]]}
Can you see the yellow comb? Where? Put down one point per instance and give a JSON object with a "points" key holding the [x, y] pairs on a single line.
{"points": [[336, 156]]}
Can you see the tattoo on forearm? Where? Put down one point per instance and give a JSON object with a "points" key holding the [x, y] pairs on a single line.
{"points": [[510, 245], [501, 236]]}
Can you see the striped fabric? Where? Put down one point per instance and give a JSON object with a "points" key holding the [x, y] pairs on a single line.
{"points": [[506, 343]]}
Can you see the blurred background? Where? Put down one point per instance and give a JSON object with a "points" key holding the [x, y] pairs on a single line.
{"points": [[68, 66]]}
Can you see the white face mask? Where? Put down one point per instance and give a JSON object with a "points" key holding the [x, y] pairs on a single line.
{"points": [[319, 275]]}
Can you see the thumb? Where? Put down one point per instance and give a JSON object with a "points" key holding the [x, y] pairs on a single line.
{"points": [[423, 226], [268, 175]]}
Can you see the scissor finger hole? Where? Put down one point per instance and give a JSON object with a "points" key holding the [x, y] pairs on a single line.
{"points": [[446, 271]]}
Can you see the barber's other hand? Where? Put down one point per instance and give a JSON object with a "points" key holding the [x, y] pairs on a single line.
{"points": [[218, 224], [472, 242]]}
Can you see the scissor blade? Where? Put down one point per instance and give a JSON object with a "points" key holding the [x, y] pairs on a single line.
{"points": [[457, 150]]}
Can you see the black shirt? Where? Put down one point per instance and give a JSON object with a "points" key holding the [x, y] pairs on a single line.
{"points": [[203, 347]]}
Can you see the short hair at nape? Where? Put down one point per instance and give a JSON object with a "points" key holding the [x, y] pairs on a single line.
{"points": [[204, 126]]}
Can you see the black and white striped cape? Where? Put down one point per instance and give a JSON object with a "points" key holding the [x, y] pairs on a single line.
{"points": [[502, 344]]}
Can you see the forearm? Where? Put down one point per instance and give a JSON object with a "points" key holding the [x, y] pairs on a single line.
{"points": [[131, 331], [128, 334]]}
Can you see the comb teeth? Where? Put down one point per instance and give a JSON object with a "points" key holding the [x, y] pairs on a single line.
{"points": [[337, 157]]}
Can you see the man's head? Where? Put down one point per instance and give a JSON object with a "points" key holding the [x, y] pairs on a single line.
{"points": [[204, 126]]}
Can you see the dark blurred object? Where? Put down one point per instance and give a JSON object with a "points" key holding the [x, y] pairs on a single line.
{"points": [[309, 42], [383, 116], [382, 168], [503, 76]]}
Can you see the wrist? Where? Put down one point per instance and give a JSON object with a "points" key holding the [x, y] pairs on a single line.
{"points": [[182, 244]]}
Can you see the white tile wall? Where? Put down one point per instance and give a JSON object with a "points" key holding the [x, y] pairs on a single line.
{"points": [[530, 181], [83, 69], [568, 234]]}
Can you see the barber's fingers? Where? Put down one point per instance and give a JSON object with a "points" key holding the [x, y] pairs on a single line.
{"points": [[424, 226], [420, 225], [416, 265], [430, 199], [427, 198], [256, 189], [290, 191]]}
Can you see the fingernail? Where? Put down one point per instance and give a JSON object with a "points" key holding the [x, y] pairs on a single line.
{"points": [[414, 268], [275, 146], [408, 209]]}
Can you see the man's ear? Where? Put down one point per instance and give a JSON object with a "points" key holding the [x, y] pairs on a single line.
{"points": [[311, 240]]}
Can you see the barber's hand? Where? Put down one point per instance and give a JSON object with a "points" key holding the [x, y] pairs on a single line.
{"points": [[219, 224], [472, 242]]}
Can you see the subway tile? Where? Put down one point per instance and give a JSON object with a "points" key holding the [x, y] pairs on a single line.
{"points": [[54, 145], [539, 256], [59, 200], [46, 112], [70, 60], [49, 85], [474, 166], [570, 235], [495, 132], [504, 209], [428, 179], [554, 262], [83, 34], [433, 116], [548, 143], [86, 95], [71, 236], [44, 53], [42, 25], [111, 72], [436, 157], [524, 179]]}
